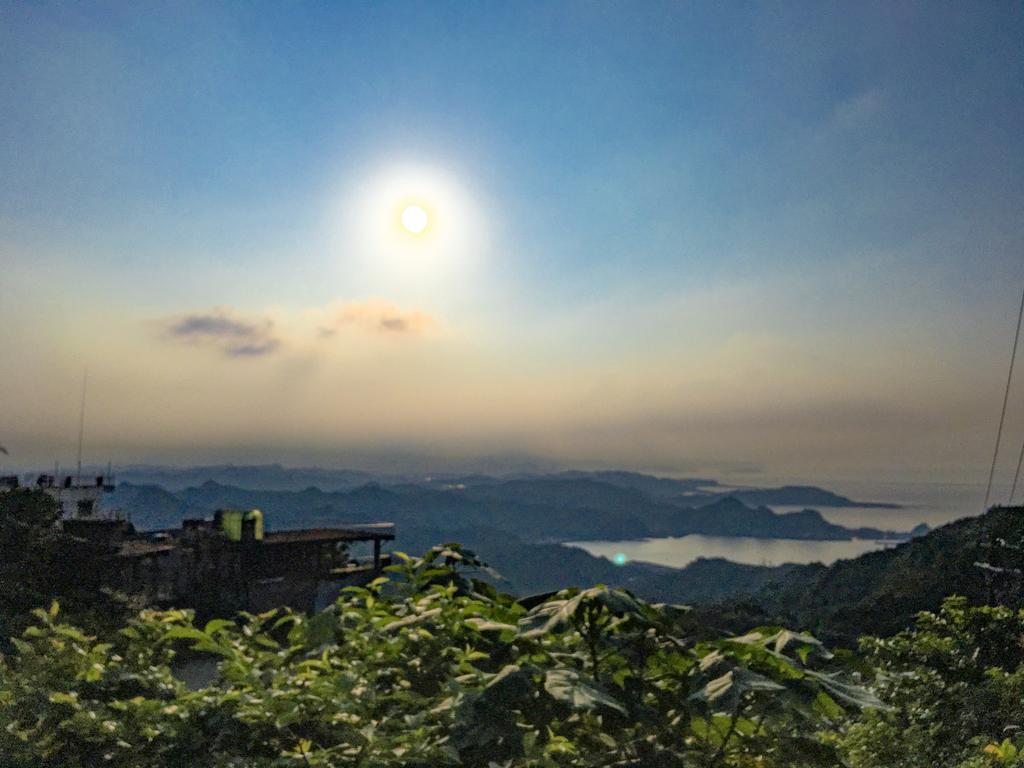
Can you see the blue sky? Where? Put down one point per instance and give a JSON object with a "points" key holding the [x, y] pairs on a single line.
{"points": [[673, 202]]}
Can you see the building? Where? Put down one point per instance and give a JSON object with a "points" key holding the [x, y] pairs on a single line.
{"points": [[76, 499], [204, 566], [218, 566]]}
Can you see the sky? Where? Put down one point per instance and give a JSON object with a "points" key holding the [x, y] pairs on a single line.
{"points": [[732, 239]]}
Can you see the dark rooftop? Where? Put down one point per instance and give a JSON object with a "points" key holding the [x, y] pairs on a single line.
{"points": [[369, 532], [140, 548], [133, 548]]}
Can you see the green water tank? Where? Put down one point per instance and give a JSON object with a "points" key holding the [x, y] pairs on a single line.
{"points": [[242, 524], [254, 518]]}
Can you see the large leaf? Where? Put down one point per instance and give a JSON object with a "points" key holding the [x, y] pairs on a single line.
{"points": [[511, 684], [578, 691], [556, 615], [803, 645], [548, 617], [454, 553], [851, 695], [487, 717], [725, 692], [485, 625]]}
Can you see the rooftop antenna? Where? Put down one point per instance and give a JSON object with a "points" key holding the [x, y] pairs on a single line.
{"points": [[81, 426]]}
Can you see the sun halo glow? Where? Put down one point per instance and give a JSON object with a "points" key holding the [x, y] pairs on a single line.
{"points": [[410, 228]]}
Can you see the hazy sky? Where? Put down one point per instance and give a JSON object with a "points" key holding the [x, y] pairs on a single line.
{"points": [[684, 237]]}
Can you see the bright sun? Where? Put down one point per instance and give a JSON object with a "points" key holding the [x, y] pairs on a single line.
{"points": [[414, 219], [413, 226]]}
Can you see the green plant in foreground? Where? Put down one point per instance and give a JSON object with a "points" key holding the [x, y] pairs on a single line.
{"points": [[425, 667], [955, 689]]}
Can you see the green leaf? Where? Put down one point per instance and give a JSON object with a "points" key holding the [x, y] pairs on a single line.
{"points": [[69, 699], [851, 695], [485, 625], [215, 625], [805, 646], [186, 633], [579, 691], [725, 692]]}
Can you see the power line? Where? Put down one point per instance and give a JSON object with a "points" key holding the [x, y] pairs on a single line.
{"points": [[1006, 397], [1016, 475]]}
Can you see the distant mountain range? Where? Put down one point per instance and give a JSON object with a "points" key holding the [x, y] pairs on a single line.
{"points": [[274, 477], [519, 521], [265, 477], [518, 524], [538, 508]]}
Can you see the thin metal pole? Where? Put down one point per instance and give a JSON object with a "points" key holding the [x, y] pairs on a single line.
{"points": [[81, 427]]}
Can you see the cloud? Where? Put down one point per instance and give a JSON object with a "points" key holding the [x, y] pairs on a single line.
{"points": [[232, 336], [235, 335], [377, 317]]}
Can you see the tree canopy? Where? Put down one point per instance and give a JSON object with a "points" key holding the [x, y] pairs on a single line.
{"points": [[426, 667], [41, 563]]}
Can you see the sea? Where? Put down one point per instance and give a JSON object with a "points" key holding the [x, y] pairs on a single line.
{"points": [[933, 503]]}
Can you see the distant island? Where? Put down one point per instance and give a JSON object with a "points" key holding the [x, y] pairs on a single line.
{"points": [[809, 495]]}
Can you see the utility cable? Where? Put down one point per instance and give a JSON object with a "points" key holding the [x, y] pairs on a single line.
{"points": [[1016, 475], [1006, 397]]}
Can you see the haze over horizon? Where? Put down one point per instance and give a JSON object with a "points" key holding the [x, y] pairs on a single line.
{"points": [[694, 239]]}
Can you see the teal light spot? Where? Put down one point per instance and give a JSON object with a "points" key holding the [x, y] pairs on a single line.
{"points": [[620, 558]]}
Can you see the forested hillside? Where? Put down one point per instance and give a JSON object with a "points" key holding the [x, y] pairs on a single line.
{"points": [[880, 592]]}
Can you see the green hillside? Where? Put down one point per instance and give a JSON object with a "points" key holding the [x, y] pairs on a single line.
{"points": [[880, 592]]}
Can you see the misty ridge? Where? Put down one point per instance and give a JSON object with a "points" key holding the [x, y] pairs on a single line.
{"points": [[523, 521], [565, 506]]}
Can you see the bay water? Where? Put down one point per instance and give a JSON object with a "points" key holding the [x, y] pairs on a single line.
{"points": [[932, 503]]}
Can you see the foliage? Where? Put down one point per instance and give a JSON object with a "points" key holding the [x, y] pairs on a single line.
{"points": [[881, 593], [431, 666], [426, 667], [40, 563], [955, 686], [28, 535]]}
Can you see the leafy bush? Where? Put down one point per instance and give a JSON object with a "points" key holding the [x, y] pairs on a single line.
{"points": [[39, 563], [425, 667], [955, 689]]}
